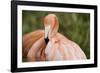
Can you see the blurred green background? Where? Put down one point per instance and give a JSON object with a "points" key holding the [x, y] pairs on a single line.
{"points": [[75, 26]]}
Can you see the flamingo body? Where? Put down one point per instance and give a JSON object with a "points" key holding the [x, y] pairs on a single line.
{"points": [[58, 48]]}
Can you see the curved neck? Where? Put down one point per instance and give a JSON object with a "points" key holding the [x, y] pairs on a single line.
{"points": [[51, 25], [53, 29]]}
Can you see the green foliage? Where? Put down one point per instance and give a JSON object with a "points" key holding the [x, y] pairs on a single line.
{"points": [[75, 26]]}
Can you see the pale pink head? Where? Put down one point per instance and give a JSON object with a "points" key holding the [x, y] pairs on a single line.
{"points": [[51, 25]]}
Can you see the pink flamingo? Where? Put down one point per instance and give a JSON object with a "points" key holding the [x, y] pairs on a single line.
{"points": [[54, 47]]}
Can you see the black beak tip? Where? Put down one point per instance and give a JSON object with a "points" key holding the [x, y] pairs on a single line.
{"points": [[46, 40]]}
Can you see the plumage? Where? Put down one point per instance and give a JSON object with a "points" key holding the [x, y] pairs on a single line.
{"points": [[58, 47], [29, 39]]}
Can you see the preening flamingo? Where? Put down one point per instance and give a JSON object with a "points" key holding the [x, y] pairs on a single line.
{"points": [[49, 44]]}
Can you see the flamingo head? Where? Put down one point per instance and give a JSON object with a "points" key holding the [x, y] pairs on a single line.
{"points": [[51, 25]]}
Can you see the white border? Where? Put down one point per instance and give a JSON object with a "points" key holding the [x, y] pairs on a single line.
{"points": [[53, 63]]}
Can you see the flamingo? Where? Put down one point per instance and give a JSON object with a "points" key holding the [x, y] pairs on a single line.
{"points": [[49, 44]]}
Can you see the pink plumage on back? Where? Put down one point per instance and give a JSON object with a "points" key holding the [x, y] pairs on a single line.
{"points": [[58, 47]]}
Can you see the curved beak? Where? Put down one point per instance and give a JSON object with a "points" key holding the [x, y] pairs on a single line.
{"points": [[47, 30]]}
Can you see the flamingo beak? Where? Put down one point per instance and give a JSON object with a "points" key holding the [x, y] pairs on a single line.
{"points": [[47, 30]]}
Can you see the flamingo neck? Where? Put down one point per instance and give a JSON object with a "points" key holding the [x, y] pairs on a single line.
{"points": [[51, 25], [53, 31]]}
